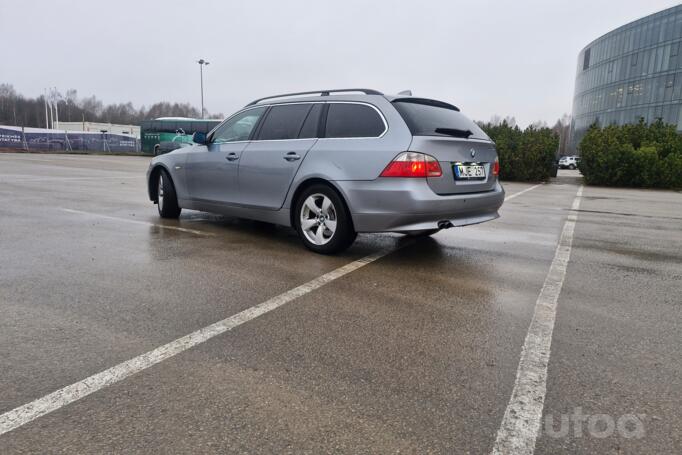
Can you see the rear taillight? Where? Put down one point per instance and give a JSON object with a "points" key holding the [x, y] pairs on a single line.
{"points": [[496, 167], [413, 164]]}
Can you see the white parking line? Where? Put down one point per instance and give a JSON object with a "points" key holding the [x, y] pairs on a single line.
{"points": [[62, 397], [77, 157], [521, 192], [521, 422], [28, 412], [25, 159], [146, 223], [66, 179], [99, 158]]}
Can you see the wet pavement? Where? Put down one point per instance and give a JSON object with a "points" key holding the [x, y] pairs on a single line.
{"points": [[416, 352]]}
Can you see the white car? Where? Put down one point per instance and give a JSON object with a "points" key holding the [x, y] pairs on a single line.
{"points": [[569, 162]]}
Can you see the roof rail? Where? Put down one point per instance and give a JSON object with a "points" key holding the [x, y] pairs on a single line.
{"points": [[366, 91]]}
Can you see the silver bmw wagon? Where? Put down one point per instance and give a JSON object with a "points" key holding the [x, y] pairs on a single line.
{"points": [[333, 163]]}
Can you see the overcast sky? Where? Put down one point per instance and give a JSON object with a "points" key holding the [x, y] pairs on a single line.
{"points": [[488, 57]]}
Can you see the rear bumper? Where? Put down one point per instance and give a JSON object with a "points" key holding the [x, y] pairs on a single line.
{"points": [[404, 205]]}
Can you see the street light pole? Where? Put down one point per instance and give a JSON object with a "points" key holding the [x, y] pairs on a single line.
{"points": [[201, 63], [55, 95], [47, 121]]}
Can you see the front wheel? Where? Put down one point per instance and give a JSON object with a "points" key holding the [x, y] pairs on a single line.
{"points": [[322, 220], [167, 200], [572, 167]]}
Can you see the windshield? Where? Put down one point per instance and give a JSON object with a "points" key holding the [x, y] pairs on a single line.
{"points": [[430, 120]]}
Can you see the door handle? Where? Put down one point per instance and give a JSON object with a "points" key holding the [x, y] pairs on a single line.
{"points": [[232, 156], [292, 156]]}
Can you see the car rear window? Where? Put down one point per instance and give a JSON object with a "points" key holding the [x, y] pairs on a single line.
{"points": [[426, 119], [283, 122], [353, 120]]}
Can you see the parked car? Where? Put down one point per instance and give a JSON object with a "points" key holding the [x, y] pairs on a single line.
{"points": [[335, 164], [569, 162]]}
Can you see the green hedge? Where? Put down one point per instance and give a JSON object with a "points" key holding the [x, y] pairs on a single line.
{"points": [[639, 155], [525, 155]]}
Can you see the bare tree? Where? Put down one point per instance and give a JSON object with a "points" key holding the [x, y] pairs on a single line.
{"points": [[17, 110], [510, 120], [495, 120], [562, 128]]}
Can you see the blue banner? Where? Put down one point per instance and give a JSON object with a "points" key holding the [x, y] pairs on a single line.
{"points": [[12, 137]]}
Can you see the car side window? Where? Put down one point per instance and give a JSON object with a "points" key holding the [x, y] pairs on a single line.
{"points": [[353, 120], [239, 127], [283, 122], [309, 128]]}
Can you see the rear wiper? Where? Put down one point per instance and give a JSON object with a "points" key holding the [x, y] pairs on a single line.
{"points": [[454, 132]]}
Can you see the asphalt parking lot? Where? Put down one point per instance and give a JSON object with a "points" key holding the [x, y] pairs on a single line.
{"points": [[417, 351]]}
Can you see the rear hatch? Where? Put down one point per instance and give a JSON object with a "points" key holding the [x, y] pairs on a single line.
{"points": [[459, 145]]}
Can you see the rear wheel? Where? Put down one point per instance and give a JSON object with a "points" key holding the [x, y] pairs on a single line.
{"points": [[322, 220], [157, 149], [167, 200]]}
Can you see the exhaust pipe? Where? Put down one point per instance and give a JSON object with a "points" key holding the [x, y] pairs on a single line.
{"points": [[444, 224]]}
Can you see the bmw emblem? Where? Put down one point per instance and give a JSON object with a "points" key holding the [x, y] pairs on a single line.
{"points": [[473, 153]]}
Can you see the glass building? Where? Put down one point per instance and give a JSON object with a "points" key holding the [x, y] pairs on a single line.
{"points": [[632, 72]]}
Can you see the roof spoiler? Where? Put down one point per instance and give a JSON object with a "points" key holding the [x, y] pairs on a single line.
{"points": [[427, 101], [366, 91]]}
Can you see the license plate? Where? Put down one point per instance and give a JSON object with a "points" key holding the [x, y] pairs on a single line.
{"points": [[469, 171]]}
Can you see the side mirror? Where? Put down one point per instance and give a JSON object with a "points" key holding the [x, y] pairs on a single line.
{"points": [[199, 138]]}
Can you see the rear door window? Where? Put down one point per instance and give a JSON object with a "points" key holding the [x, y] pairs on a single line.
{"points": [[432, 118], [309, 129], [353, 120], [283, 122]]}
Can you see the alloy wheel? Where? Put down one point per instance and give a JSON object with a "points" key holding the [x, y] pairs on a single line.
{"points": [[318, 219]]}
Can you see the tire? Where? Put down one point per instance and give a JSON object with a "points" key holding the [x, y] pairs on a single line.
{"points": [[571, 167], [324, 232], [167, 200], [424, 233], [157, 149]]}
